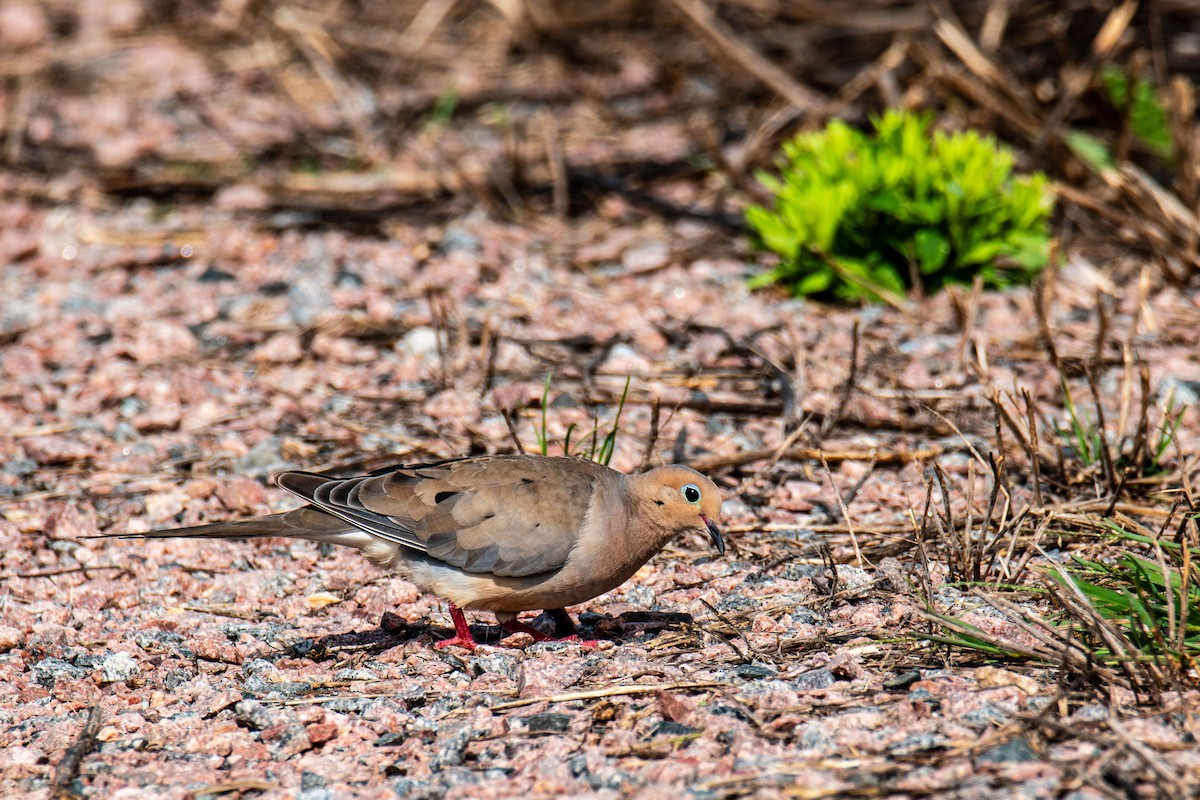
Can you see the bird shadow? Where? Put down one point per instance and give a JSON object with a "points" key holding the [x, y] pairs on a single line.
{"points": [[394, 631], [630, 623]]}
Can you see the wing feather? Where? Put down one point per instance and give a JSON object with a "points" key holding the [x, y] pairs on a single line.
{"points": [[510, 516]]}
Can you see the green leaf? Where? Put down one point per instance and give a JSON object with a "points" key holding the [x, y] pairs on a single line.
{"points": [[1147, 116], [982, 253], [932, 250], [814, 282], [1090, 149]]}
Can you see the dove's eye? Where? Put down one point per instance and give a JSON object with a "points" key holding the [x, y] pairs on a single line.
{"points": [[691, 493]]}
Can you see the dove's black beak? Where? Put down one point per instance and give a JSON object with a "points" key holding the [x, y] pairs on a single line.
{"points": [[714, 534]]}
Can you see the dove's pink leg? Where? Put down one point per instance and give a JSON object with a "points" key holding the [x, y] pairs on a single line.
{"points": [[462, 631], [516, 626]]}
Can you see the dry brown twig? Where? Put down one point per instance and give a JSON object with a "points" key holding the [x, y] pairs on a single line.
{"points": [[68, 767], [729, 45]]}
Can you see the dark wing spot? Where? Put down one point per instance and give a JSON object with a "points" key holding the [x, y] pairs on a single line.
{"points": [[526, 481], [441, 496], [488, 516]]}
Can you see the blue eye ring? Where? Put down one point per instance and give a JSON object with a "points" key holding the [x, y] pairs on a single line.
{"points": [[691, 493]]}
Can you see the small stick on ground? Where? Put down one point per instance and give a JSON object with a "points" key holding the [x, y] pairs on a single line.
{"points": [[1106, 458], [858, 485], [738, 634], [54, 573], [709, 463], [490, 346], [652, 439], [1035, 459], [512, 430], [439, 316], [834, 579], [919, 531], [68, 768], [984, 545], [747, 58], [847, 389], [862, 562], [610, 691]]}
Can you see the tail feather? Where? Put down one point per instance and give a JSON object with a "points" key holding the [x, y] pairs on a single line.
{"points": [[303, 523], [302, 484], [273, 525]]}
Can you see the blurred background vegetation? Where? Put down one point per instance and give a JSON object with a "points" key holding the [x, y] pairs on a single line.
{"points": [[366, 113]]}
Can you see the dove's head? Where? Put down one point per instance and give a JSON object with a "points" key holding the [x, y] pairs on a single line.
{"points": [[685, 500]]}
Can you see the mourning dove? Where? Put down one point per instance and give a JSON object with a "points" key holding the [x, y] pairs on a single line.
{"points": [[499, 533]]}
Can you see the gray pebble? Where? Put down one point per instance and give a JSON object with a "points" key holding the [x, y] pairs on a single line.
{"points": [[119, 667], [253, 714], [47, 671]]}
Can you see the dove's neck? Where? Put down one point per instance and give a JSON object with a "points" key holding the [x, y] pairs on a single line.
{"points": [[643, 532]]}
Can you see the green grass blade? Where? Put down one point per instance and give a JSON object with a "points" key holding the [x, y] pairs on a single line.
{"points": [[610, 441]]}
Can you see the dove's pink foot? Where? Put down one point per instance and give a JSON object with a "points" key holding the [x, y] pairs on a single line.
{"points": [[516, 626], [462, 631]]}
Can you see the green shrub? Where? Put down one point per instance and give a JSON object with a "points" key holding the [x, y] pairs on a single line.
{"points": [[868, 217]]}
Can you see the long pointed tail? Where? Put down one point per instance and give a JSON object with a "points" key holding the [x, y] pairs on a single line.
{"points": [[302, 523], [241, 529]]}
